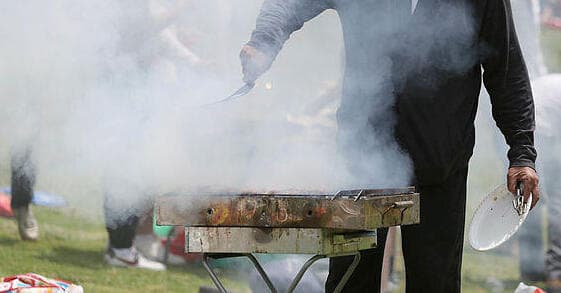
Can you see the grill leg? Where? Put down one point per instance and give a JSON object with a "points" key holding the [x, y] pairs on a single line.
{"points": [[262, 272], [348, 274], [251, 257], [212, 274], [303, 270], [296, 279]]}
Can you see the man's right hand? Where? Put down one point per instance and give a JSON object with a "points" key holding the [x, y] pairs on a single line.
{"points": [[254, 63]]}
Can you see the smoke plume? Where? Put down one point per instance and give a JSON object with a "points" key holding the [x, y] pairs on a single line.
{"points": [[108, 96]]}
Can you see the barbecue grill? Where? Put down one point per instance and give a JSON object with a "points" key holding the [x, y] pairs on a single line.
{"points": [[324, 225]]}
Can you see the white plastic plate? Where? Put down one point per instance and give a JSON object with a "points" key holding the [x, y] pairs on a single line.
{"points": [[495, 220]]}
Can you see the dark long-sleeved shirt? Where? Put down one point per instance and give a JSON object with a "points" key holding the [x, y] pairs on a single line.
{"points": [[430, 64]]}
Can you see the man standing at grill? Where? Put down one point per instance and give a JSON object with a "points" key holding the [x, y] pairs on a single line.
{"points": [[412, 78]]}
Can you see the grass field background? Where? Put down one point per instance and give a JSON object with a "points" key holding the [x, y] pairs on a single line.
{"points": [[72, 247]]}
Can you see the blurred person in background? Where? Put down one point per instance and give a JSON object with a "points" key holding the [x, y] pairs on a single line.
{"points": [[152, 38], [22, 183], [156, 37], [427, 115], [526, 15], [548, 119], [534, 264], [548, 107]]}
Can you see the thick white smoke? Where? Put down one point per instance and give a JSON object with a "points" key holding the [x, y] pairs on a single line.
{"points": [[108, 95]]}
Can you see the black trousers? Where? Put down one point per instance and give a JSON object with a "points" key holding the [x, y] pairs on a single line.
{"points": [[121, 220], [122, 234], [124, 204], [432, 249], [23, 178]]}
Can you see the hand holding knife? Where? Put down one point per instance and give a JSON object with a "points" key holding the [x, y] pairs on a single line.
{"points": [[254, 64]]}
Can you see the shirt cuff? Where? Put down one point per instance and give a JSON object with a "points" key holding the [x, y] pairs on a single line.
{"points": [[522, 163], [265, 43]]}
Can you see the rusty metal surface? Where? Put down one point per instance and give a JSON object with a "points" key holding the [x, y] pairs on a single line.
{"points": [[276, 240], [373, 209]]}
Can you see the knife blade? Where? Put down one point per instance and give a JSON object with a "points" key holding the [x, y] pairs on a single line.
{"points": [[242, 91]]}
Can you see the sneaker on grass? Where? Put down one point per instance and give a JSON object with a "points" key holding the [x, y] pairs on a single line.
{"points": [[130, 258], [27, 225], [152, 248]]}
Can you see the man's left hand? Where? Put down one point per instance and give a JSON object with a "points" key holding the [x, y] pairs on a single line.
{"points": [[529, 178]]}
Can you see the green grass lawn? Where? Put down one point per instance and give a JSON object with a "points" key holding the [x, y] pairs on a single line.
{"points": [[71, 248]]}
